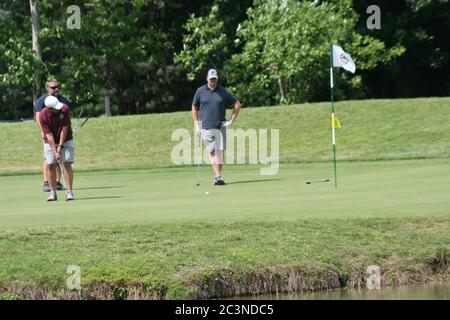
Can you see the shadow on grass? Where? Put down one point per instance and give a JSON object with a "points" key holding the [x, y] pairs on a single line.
{"points": [[253, 181], [97, 198], [93, 188]]}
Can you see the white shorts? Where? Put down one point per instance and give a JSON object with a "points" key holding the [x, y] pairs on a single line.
{"points": [[67, 153], [214, 139]]}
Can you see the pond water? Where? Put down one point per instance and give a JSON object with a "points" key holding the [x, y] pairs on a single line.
{"points": [[428, 291]]}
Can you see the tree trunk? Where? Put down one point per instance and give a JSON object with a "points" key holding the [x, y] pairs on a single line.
{"points": [[280, 84], [107, 103], [36, 49], [106, 92]]}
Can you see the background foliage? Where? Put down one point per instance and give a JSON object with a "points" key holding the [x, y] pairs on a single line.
{"points": [[149, 56]]}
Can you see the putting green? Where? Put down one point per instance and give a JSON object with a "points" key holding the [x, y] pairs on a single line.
{"points": [[366, 189]]}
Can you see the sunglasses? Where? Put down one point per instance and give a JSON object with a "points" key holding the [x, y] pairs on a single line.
{"points": [[55, 87]]}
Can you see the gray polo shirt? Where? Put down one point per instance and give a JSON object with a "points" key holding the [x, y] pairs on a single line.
{"points": [[212, 105]]}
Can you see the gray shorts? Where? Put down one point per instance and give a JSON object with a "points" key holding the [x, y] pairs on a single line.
{"points": [[67, 154], [214, 139]]}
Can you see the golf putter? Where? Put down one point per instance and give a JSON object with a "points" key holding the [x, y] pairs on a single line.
{"points": [[61, 165], [198, 165], [85, 120], [78, 121], [77, 130], [198, 174], [317, 181], [79, 115]]}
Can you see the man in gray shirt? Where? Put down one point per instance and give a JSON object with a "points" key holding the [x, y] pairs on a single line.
{"points": [[210, 100]]}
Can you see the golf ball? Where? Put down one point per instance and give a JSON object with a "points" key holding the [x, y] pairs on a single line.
{"points": [[206, 193]]}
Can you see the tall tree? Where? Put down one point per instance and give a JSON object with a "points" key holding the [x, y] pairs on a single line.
{"points": [[17, 63], [422, 27], [279, 53], [35, 27]]}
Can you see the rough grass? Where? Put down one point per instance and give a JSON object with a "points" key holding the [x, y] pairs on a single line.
{"points": [[371, 130], [207, 260]]}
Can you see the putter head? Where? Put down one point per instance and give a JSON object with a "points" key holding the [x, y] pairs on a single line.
{"points": [[197, 185], [317, 181]]}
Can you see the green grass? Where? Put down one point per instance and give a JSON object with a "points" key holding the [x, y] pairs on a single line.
{"points": [[139, 219], [155, 227], [165, 256], [366, 189], [371, 130]]}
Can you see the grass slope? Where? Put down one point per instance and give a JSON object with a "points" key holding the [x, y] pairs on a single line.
{"points": [[371, 130]]}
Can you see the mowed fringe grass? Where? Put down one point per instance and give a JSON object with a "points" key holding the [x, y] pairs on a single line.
{"points": [[371, 130], [210, 260]]}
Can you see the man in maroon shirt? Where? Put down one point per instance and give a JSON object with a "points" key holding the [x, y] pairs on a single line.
{"points": [[52, 87], [58, 143]]}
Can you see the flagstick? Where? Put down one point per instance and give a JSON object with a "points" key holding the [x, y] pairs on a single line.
{"points": [[333, 137]]}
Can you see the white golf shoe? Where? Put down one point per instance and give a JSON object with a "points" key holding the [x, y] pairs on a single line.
{"points": [[52, 197], [69, 196]]}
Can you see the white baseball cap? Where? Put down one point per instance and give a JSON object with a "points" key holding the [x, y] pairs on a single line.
{"points": [[212, 73], [53, 103]]}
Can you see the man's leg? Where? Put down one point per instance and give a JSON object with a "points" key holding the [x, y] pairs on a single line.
{"points": [[45, 175], [68, 176], [216, 158], [221, 142], [58, 176], [68, 157], [51, 171], [219, 158], [215, 141], [45, 170], [52, 177], [215, 164]]}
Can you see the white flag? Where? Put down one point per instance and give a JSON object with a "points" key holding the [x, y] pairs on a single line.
{"points": [[343, 59]]}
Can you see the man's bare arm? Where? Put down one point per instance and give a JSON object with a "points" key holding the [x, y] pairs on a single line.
{"points": [[236, 109], [63, 135], [195, 117]]}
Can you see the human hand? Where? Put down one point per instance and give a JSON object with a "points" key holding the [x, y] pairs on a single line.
{"points": [[226, 124]]}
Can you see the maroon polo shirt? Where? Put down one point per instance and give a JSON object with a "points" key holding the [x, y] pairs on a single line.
{"points": [[54, 122]]}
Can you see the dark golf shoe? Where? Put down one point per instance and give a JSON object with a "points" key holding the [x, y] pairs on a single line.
{"points": [[218, 181], [46, 187], [222, 181], [59, 186]]}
